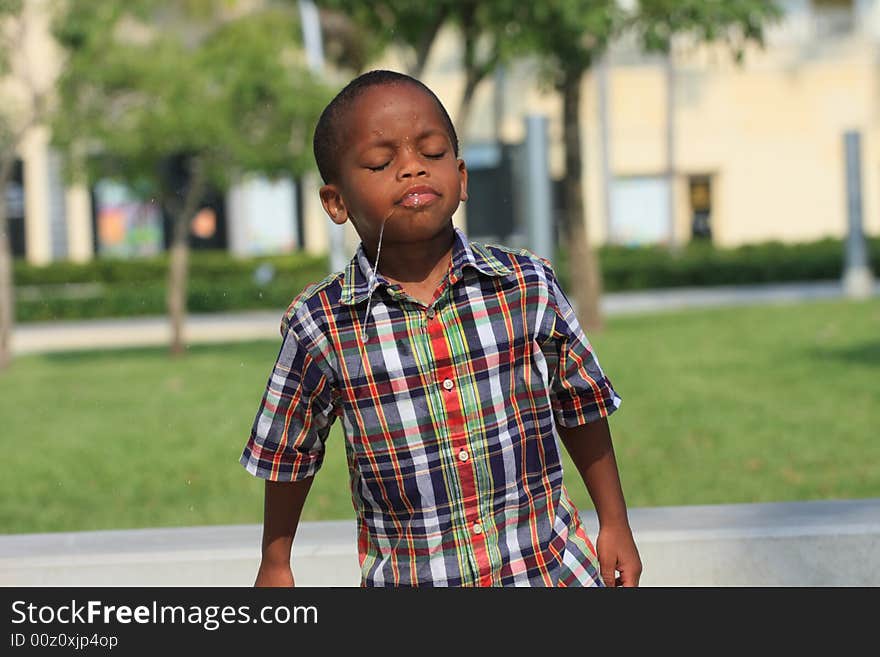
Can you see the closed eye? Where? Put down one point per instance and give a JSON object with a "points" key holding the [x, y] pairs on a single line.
{"points": [[380, 167], [435, 156]]}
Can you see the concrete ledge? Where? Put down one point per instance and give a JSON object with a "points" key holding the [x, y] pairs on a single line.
{"points": [[821, 543]]}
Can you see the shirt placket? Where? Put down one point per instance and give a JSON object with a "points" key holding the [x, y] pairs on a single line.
{"points": [[448, 383]]}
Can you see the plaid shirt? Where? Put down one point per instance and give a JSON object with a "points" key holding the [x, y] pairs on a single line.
{"points": [[450, 414]]}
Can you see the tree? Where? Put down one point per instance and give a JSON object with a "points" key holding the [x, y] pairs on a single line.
{"points": [[734, 22], [570, 36], [183, 94], [25, 106], [357, 31], [486, 44]]}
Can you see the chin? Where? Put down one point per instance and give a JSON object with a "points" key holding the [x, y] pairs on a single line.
{"points": [[420, 226]]}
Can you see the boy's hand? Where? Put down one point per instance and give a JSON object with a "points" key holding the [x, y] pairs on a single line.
{"points": [[590, 448], [618, 553]]}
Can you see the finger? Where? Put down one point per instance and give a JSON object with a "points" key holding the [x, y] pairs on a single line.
{"points": [[606, 570], [629, 578]]}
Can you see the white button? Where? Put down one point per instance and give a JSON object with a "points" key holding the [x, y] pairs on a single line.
{"points": [[462, 455], [448, 384], [430, 313], [478, 528]]}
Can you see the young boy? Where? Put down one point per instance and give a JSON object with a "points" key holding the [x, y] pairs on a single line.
{"points": [[457, 369]]}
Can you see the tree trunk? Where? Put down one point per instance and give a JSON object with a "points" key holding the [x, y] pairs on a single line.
{"points": [[7, 290], [423, 48], [583, 262], [178, 270], [674, 241], [472, 71], [472, 79], [177, 279]]}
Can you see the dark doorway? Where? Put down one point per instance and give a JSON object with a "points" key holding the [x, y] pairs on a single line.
{"points": [[700, 195]]}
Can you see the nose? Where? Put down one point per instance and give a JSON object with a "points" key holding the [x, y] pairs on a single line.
{"points": [[411, 165]]}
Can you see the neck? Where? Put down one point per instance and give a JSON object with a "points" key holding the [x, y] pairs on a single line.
{"points": [[416, 262]]}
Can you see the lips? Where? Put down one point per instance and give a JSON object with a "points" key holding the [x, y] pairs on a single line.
{"points": [[417, 196]]}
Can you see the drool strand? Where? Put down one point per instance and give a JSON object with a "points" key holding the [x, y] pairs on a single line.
{"points": [[373, 276]]}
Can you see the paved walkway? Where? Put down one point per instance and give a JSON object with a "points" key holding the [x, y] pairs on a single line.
{"points": [[230, 327], [814, 543]]}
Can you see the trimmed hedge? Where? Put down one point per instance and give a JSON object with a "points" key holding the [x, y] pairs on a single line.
{"points": [[700, 264], [120, 288], [209, 265], [218, 282]]}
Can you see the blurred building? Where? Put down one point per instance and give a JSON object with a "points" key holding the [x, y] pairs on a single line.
{"points": [[52, 219], [47, 219], [756, 150], [757, 147]]}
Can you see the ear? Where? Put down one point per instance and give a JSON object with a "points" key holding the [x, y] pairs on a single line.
{"points": [[462, 173], [333, 204]]}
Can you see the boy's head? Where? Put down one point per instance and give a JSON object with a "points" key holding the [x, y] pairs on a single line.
{"points": [[386, 149], [328, 139]]}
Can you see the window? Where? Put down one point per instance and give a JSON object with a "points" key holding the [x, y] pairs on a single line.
{"points": [[640, 211], [833, 18]]}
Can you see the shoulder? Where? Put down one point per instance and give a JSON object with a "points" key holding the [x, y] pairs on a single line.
{"points": [[520, 262], [531, 273], [528, 280], [312, 303]]}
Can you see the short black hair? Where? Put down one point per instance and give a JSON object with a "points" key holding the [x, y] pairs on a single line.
{"points": [[328, 130]]}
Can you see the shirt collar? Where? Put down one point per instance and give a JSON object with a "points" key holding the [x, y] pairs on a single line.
{"points": [[356, 282]]}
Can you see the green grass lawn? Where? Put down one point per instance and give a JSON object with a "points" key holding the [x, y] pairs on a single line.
{"points": [[720, 406]]}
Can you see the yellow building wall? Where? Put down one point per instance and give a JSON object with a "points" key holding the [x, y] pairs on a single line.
{"points": [[770, 133]]}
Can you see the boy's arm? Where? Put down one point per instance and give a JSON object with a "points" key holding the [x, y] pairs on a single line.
{"points": [[590, 448], [282, 507]]}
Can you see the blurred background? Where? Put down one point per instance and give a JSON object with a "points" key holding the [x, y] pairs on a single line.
{"points": [[705, 176]]}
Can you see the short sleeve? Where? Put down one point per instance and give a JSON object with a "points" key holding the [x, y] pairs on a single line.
{"points": [[580, 392], [290, 429]]}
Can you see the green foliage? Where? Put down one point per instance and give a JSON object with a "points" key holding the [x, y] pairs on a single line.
{"points": [[121, 288], [128, 300], [8, 9], [378, 24], [567, 35], [208, 264], [16, 112], [220, 283], [733, 21], [701, 264], [147, 80]]}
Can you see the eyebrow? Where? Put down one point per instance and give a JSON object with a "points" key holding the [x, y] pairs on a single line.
{"points": [[424, 135]]}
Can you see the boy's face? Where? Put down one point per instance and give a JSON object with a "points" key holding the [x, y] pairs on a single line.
{"points": [[398, 162]]}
